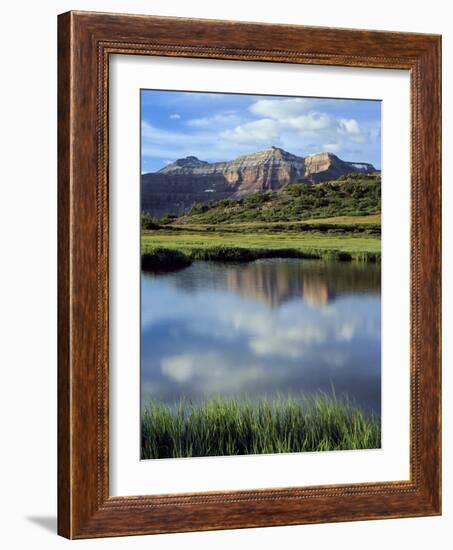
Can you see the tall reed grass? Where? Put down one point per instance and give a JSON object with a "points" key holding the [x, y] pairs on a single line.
{"points": [[221, 426]]}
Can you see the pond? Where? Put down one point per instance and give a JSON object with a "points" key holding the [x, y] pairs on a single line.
{"points": [[260, 329]]}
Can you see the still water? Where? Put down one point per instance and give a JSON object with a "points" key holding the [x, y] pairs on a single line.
{"points": [[274, 326]]}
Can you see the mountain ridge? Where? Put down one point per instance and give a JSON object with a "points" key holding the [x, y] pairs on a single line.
{"points": [[177, 186]]}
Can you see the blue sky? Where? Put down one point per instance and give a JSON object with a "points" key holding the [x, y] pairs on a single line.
{"points": [[218, 127]]}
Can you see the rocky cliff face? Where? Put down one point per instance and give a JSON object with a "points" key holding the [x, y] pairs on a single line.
{"points": [[176, 187], [327, 166]]}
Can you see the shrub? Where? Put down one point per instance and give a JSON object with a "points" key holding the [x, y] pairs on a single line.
{"points": [[164, 259], [148, 222]]}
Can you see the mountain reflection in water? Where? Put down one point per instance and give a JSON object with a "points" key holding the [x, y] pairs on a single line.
{"points": [[275, 281], [270, 326]]}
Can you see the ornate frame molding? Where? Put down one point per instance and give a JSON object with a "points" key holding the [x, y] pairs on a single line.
{"points": [[86, 40]]}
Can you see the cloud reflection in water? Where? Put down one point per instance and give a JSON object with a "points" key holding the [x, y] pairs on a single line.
{"points": [[270, 326]]}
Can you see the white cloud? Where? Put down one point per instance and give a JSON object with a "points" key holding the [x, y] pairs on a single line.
{"points": [[311, 122], [180, 368], [350, 128], [187, 366], [266, 337], [175, 116], [347, 330], [281, 108], [212, 371], [263, 130], [287, 125], [290, 341]]}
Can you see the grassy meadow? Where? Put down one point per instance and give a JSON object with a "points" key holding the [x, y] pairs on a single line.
{"points": [[337, 220], [222, 426], [173, 247]]}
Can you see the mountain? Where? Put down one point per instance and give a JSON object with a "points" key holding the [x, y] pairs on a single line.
{"points": [[177, 186]]}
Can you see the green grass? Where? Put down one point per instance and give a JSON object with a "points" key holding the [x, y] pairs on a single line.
{"points": [[220, 246], [348, 220], [222, 426]]}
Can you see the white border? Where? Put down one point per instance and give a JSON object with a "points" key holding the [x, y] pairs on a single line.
{"points": [[129, 475]]}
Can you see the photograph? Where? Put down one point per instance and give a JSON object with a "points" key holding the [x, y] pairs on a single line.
{"points": [[260, 223]]}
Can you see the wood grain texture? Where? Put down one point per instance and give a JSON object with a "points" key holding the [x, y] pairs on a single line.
{"points": [[64, 366], [86, 40]]}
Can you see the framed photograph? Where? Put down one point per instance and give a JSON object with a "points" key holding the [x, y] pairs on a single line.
{"points": [[249, 275]]}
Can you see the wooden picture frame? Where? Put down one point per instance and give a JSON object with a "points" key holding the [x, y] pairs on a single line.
{"points": [[85, 42]]}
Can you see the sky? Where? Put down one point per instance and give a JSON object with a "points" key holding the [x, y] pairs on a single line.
{"points": [[219, 127]]}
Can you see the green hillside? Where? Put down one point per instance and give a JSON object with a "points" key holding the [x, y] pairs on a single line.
{"points": [[353, 195]]}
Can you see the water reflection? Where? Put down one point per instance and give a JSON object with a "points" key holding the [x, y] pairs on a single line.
{"points": [[261, 328], [275, 281]]}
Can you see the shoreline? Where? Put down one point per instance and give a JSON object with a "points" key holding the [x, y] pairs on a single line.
{"points": [[169, 259]]}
